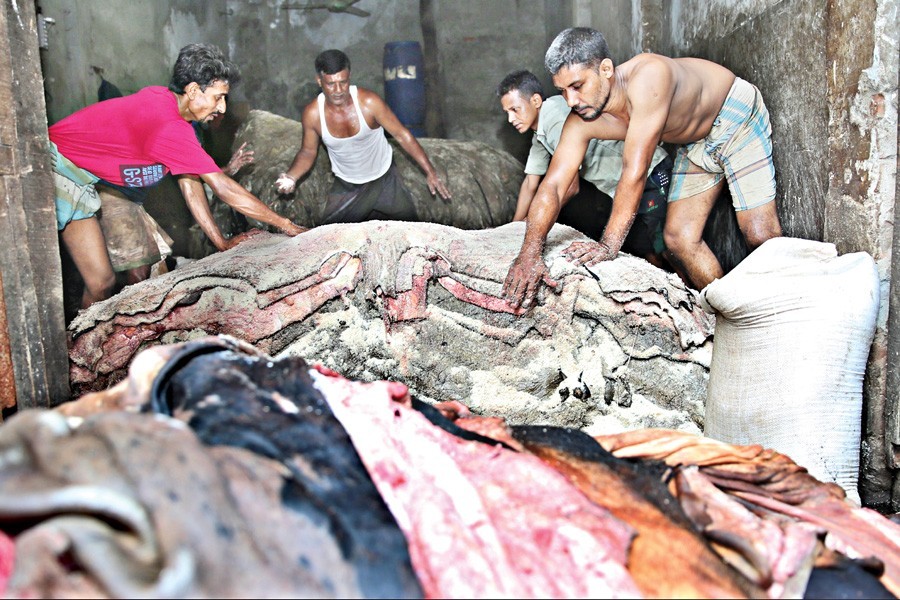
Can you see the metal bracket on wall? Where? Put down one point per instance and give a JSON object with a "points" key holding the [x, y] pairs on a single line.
{"points": [[43, 23]]}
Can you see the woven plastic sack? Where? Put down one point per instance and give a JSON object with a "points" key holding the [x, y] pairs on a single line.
{"points": [[794, 324]]}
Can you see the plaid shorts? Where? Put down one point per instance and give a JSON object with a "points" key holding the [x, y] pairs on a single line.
{"points": [[738, 147], [76, 196]]}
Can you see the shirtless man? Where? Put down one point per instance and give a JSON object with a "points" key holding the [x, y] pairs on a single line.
{"points": [[522, 99], [719, 122], [351, 122]]}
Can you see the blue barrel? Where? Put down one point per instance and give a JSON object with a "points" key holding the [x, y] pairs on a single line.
{"points": [[404, 84]]}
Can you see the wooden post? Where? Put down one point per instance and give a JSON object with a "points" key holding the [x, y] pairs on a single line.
{"points": [[34, 337], [434, 78]]}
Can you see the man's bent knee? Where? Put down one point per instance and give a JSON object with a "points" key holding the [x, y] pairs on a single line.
{"points": [[97, 289], [757, 238], [759, 224], [678, 242]]}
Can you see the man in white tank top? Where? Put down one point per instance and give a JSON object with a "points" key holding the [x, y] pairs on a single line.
{"points": [[351, 122]]}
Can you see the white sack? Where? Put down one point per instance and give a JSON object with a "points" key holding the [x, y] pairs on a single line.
{"points": [[794, 323]]}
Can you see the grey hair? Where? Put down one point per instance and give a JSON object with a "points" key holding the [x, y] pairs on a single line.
{"points": [[576, 46]]}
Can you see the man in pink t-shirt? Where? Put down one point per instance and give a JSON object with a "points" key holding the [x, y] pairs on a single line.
{"points": [[130, 143]]}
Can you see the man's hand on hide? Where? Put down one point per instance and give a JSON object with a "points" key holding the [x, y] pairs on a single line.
{"points": [[524, 279], [589, 253]]}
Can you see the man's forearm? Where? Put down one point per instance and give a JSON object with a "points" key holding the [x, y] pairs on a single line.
{"points": [[303, 162], [624, 210], [526, 195], [415, 151], [541, 217], [237, 197], [198, 205], [251, 207]]}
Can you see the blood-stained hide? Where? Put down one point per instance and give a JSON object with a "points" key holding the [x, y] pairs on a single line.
{"points": [[766, 513], [482, 520], [112, 502], [621, 345], [666, 542]]}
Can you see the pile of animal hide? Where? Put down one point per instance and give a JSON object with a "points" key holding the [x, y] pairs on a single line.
{"points": [[483, 180], [216, 471], [622, 345]]}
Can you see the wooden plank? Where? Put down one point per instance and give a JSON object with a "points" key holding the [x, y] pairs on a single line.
{"points": [[29, 261], [7, 374]]}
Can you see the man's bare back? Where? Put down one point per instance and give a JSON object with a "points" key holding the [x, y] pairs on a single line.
{"points": [[691, 91]]}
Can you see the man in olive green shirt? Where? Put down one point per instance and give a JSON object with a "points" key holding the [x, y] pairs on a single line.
{"points": [[522, 98]]}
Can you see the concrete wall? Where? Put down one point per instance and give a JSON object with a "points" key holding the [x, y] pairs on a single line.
{"points": [[789, 73], [134, 42], [275, 47], [477, 49], [828, 71]]}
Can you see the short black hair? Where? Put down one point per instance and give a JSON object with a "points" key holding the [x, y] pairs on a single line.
{"points": [[525, 82], [203, 63], [331, 61], [576, 46]]}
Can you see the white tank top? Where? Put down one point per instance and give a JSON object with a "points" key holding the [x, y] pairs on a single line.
{"points": [[359, 158]]}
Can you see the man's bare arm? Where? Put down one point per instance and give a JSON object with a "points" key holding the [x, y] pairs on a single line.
{"points": [[526, 194], [561, 176], [527, 190], [195, 198], [650, 94], [385, 117], [236, 196], [306, 156], [528, 270]]}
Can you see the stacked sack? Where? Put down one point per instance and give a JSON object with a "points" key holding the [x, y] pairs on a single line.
{"points": [[794, 324]]}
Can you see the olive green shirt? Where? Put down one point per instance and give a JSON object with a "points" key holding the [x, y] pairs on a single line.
{"points": [[602, 165]]}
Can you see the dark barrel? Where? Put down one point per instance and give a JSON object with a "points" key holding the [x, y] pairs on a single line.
{"points": [[404, 84]]}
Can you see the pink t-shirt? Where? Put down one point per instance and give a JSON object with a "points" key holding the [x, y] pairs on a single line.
{"points": [[134, 140]]}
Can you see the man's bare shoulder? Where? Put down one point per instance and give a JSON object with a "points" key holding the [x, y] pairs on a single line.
{"points": [[368, 99], [645, 59], [647, 66], [310, 117], [604, 127]]}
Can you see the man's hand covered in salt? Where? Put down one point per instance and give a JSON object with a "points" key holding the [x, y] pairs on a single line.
{"points": [[285, 184]]}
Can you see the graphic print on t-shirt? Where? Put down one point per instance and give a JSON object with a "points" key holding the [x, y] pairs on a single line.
{"points": [[141, 175]]}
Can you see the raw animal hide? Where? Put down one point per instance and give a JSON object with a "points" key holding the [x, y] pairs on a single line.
{"points": [[108, 502], [769, 511], [483, 180], [618, 346]]}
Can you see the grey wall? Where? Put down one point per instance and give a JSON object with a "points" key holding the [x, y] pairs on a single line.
{"points": [[135, 42], [276, 47], [748, 38], [828, 71], [478, 43], [477, 48]]}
